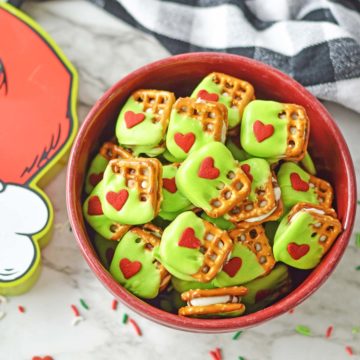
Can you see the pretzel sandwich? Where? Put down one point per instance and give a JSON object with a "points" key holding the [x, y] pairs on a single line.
{"points": [[213, 302]]}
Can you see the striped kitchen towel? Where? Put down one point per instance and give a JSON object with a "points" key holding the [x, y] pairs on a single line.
{"points": [[317, 42]]}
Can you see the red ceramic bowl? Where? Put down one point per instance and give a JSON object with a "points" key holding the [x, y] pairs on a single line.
{"points": [[180, 74]]}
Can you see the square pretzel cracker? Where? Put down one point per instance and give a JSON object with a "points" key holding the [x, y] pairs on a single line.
{"points": [[194, 124], [221, 302], [132, 190], [234, 93], [144, 118]]}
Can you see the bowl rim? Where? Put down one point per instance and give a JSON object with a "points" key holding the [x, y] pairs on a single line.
{"points": [[316, 278]]}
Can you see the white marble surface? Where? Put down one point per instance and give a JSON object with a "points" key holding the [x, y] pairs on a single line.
{"points": [[95, 43]]}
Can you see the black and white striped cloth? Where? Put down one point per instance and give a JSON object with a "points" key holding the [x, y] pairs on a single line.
{"points": [[317, 42]]}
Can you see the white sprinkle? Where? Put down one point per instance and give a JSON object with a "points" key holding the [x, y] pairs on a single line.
{"points": [[2, 315], [3, 300], [77, 320]]}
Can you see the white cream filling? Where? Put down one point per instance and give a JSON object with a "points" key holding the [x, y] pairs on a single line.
{"points": [[277, 194], [317, 211], [213, 300]]}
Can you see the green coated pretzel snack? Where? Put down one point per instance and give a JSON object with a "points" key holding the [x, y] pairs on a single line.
{"points": [[234, 93], [135, 267], [105, 249], [299, 186], [132, 190], [212, 180], [305, 235], [274, 130], [250, 258], [193, 249], [194, 124], [94, 215], [144, 118]]}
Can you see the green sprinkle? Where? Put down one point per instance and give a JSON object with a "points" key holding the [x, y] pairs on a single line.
{"points": [[358, 202], [355, 330], [358, 267], [357, 240], [84, 304], [125, 318], [303, 330], [241, 358], [237, 335]]}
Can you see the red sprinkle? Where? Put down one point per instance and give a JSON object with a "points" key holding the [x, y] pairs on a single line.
{"points": [[114, 304], [47, 357], [136, 327], [75, 310], [329, 331], [213, 355], [218, 352], [21, 309], [349, 350]]}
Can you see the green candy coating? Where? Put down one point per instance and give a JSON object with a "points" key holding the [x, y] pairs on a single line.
{"points": [[169, 157], [220, 222], [201, 191], [180, 261], [289, 195], [145, 133], [105, 249], [298, 232], [250, 268], [270, 285], [211, 87], [270, 230], [185, 125], [151, 151], [308, 164], [133, 211], [100, 223], [96, 168], [172, 202], [237, 153], [183, 285], [146, 282], [266, 112]]}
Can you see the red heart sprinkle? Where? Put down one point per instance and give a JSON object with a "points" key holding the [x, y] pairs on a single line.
{"points": [[42, 357], [262, 294], [129, 268], [109, 254], [94, 179], [94, 206], [117, 199], [207, 169], [246, 169], [170, 185], [185, 141], [232, 266], [262, 131], [132, 119], [204, 95], [297, 183], [297, 251], [189, 240]]}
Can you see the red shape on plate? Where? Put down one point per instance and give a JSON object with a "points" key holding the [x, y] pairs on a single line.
{"points": [[232, 266], [94, 178], [94, 206], [262, 131], [185, 141], [262, 294], [170, 185], [297, 251], [189, 240], [117, 199], [204, 95], [47, 357], [129, 268], [109, 254], [132, 119], [297, 183], [246, 169], [207, 169]]}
